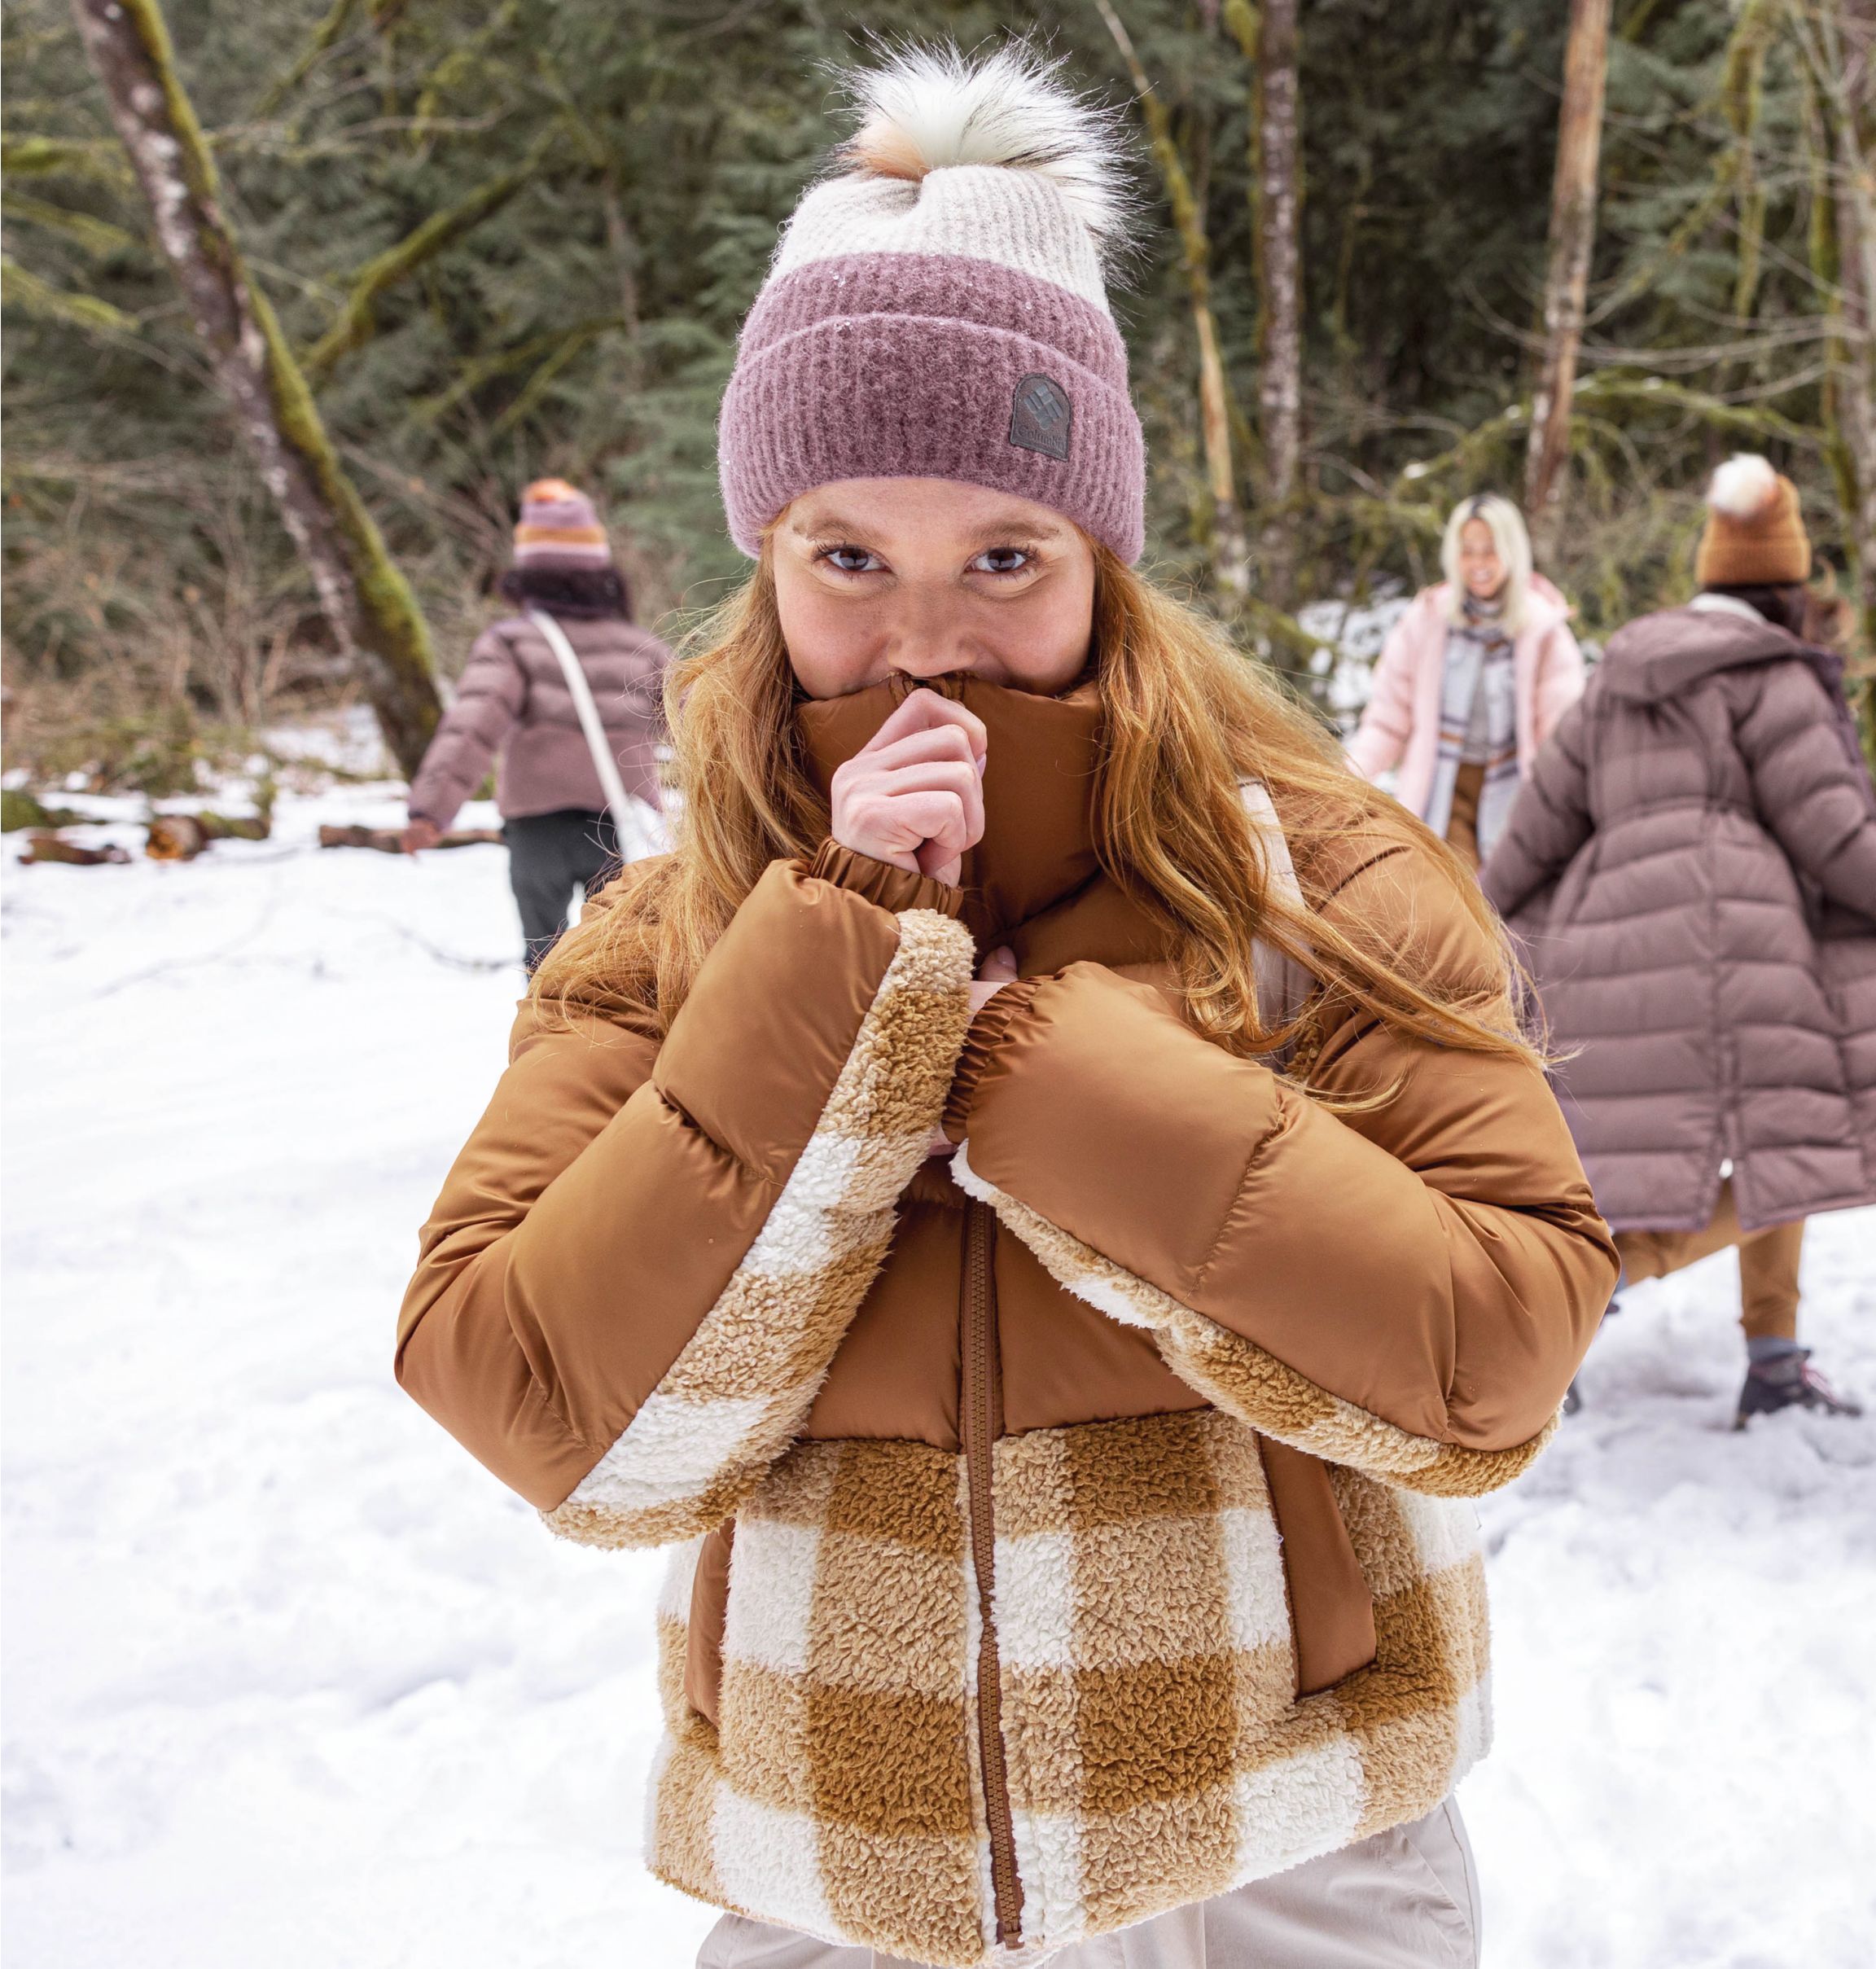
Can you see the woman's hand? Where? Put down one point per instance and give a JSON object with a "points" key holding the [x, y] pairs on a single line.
{"points": [[419, 835], [998, 970], [914, 796]]}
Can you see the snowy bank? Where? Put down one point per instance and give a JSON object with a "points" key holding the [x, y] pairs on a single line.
{"points": [[289, 1681]]}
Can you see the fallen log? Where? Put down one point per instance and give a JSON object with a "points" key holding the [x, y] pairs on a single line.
{"points": [[22, 809], [390, 840], [43, 845], [181, 837]]}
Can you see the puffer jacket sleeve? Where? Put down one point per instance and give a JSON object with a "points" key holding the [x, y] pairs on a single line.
{"points": [[1407, 1290], [1549, 820], [490, 695], [645, 1258], [1809, 783], [1387, 719]]}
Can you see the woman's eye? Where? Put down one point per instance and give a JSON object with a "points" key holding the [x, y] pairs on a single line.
{"points": [[1003, 560], [851, 560]]}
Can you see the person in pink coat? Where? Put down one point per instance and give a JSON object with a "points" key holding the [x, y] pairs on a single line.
{"points": [[1471, 681]]}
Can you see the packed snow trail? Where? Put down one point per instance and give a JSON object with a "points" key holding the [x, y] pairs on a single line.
{"points": [[291, 1680]]}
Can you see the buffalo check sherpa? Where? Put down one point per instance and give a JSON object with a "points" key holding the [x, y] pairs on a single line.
{"points": [[1158, 1752]]}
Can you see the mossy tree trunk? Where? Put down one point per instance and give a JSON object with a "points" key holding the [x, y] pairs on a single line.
{"points": [[369, 606], [1230, 550], [1566, 283], [1841, 47]]}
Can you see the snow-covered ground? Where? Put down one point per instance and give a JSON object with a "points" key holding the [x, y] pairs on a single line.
{"points": [[290, 1682]]}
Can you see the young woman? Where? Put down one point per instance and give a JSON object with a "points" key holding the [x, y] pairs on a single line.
{"points": [[513, 698], [1471, 681], [1059, 1331], [1695, 864]]}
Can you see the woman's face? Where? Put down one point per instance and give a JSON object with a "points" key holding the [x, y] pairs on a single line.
{"points": [[1479, 566], [926, 577]]}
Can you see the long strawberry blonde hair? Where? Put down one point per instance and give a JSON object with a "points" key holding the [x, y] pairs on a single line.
{"points": [[1188, 720]]}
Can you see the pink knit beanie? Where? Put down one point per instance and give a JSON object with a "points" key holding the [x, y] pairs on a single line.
{"points": [[559, 528], [937, 310]]}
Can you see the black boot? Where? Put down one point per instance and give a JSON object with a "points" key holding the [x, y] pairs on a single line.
{"points": [[1789, 1382]]}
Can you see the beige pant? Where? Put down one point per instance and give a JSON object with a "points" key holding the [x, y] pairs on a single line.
{"points": [[1769, 1262], [1405, 1899]]}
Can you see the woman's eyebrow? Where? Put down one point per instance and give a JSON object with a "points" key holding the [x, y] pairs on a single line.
{"points": [[822, 525], [996, 531]]}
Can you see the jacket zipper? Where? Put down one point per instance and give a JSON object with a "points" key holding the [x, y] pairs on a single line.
{"points": [[977, 1415]]}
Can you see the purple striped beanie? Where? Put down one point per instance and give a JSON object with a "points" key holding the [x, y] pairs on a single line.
{"points": [[938, 310], [559, 529]]}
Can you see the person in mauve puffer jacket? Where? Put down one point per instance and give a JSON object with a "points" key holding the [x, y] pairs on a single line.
{"points": [[1693, 867], [513, 698], [1040, 1199]]}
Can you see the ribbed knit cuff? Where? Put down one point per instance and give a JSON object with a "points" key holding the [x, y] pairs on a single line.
{"points": [[985, 1035], [880, 882]]}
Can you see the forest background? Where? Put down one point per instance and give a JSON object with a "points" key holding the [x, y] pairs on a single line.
{"points": [[468, 243]]}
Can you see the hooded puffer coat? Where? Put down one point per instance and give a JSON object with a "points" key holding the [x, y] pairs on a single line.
{"points": [[513, 698], [1693, 867], [1065, 1534]]}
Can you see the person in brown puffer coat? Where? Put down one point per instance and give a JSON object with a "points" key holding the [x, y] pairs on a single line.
{"points": [[513, 698], [1692, 868], [1039, 1200]]}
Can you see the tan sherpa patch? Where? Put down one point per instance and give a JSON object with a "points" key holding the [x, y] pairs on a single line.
{"points": [[1158, 1855], [679, 1835], [890, 1618], [882, 1890], [764, 1727]]}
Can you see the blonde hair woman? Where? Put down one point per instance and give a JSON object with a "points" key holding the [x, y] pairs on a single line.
{"points": [[1057, 1332], [1472, 682]]}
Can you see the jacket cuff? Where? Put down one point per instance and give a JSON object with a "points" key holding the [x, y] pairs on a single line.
{"points": [[880, 882], [985, 1035]]}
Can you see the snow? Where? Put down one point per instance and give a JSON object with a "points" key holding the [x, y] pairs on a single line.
{"points": [[291, 1680], [1353, 632]]}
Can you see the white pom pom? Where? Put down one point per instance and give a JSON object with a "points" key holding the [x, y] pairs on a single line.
{"points": [[926, 108], [1744, 485]]}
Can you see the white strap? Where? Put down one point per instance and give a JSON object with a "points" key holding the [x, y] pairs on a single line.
{"points": [[626, 825], [1283, 985]]}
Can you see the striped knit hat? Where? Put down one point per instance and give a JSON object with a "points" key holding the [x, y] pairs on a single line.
{"points": [[1754, 533], [937, 308], [559, 528]]}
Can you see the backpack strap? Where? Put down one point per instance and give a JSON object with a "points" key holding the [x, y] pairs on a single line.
{"points": [[1284, 986]]}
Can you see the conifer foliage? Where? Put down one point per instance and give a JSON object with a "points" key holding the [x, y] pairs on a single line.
{"points": [[508, 237]]}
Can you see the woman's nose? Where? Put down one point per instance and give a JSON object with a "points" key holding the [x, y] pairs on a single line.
{"points": [[927, 642]]}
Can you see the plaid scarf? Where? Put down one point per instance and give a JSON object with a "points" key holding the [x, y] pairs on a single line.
{"points": [[1481, 677]]}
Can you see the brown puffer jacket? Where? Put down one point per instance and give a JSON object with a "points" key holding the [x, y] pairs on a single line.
{"points": [[1068, 1535], [1693, 866], [513, 697]]}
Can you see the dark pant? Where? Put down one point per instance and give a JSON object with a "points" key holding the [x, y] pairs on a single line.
{"points": [[550, 855]]}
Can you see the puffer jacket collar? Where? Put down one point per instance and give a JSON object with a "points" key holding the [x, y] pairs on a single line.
{"points": [[1038, 844]]}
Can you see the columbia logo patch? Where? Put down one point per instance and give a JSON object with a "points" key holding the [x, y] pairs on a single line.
{"points": [[1041, 419]]}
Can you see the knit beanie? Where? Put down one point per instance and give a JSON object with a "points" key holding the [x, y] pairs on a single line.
{"points": [[1754, 533], [936, 310], [559, 529]]}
